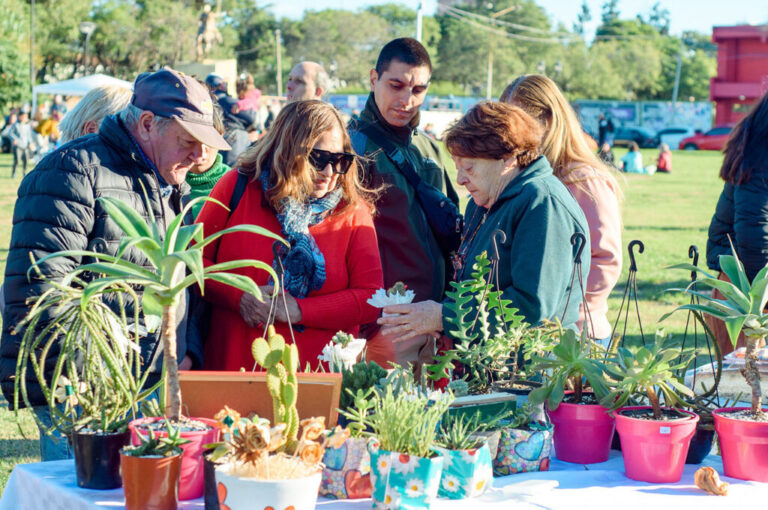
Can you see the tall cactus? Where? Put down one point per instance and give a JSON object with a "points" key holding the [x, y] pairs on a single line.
{"points": [[281, 361]]}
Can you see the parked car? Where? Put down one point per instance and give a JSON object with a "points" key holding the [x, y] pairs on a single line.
{"points": [[672, 136], [713, 140], [642, 136]]}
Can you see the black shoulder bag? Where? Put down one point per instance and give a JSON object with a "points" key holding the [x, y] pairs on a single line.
{"points": [[442, 212]]}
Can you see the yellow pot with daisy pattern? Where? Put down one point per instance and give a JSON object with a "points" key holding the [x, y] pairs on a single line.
{"points": [[402, 481]]}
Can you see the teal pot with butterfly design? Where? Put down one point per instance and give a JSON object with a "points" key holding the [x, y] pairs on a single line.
{"points": [[403, 482], [466, 473], [347, 473], [524, 450]]}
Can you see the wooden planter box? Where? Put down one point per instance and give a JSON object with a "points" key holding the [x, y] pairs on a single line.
{"points": [[204, 393]]}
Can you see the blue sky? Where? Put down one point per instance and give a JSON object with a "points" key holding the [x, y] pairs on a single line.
{"points": [[699, 15]]}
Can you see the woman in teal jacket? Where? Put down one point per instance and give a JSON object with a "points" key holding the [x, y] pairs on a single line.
{"points": [[497, 151]]}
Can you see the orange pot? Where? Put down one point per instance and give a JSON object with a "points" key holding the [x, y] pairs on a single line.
{"points": [[151, 483]]}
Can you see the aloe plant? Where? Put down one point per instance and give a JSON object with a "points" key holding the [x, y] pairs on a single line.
{"points": [[648, 371], [176, 260], [742, 310], [571, 361]]}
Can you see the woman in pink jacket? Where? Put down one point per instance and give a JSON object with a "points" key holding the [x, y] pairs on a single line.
{"points": [[592, 184]]}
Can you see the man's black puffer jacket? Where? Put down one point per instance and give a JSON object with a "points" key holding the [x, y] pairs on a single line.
{"points": [[57, 210], [742, 214]]}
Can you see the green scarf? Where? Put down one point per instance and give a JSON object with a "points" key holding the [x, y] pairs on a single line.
{"points": [[202, 184]]}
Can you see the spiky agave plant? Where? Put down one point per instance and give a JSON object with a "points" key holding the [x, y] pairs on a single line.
{"points": [[176, 260], [742, 310]]}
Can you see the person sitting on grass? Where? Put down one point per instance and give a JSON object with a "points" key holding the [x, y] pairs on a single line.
{"points": [[632, 161], [664, 164]]}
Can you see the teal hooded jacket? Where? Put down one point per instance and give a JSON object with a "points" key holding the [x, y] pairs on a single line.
{"points": [[538, 216]]}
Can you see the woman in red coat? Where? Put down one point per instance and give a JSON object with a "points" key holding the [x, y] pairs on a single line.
{"points": [[303, 185]]}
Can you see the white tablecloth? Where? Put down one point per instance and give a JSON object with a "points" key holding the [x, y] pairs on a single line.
{"points": [[51, 486]]}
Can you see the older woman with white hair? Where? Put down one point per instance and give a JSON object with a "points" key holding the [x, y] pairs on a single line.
{"points": [[85, 118]]}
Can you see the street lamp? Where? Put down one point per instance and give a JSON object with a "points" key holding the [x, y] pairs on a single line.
{"points": [[490, 46], [86, 28]]}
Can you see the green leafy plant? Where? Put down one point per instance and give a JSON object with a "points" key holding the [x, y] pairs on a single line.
{"points": [[459, 387], [742, 311], [486, 329], [358, 410], [281, 361], [157, 446], [459, 432], [177, 263], [342, 338], [641, 371], [572, 361], [406, 423], [362, 376], [97, 380]]}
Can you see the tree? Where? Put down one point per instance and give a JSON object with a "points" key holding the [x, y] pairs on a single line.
{"points": [[584, 17], [610, 12], [658, 18], [14, 60]]}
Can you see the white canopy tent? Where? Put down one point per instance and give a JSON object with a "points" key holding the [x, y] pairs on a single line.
{"points": [[77, 86]]}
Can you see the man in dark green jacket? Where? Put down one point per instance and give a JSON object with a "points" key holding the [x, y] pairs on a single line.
{"points": [[409, 250]]}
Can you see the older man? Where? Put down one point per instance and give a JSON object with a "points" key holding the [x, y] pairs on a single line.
{"points": [[308, 80], [146, 148]]}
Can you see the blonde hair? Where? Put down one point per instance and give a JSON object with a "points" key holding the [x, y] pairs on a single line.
{"points": [[94, 106], [285, 151], [564, 143]]}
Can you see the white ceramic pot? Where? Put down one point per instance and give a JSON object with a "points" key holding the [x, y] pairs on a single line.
{"points": [[246, 494]]}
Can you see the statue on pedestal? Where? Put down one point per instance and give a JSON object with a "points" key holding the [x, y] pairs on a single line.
{"points": [[207, 32]]}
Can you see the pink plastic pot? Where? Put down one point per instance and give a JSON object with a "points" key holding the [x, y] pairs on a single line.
{"points": [[192, 469], [654, 451], [743, 444], [583, 433]]}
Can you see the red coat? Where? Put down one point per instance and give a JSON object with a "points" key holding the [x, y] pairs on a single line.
{"points": [[353, 273]]}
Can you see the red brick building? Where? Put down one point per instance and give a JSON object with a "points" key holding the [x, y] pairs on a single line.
{"points": [[742, 70]]}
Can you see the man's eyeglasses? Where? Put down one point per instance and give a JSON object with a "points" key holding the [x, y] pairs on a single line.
{"points": [[340, 161]]}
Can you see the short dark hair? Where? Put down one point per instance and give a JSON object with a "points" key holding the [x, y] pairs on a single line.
{"points": [[405, 49]]}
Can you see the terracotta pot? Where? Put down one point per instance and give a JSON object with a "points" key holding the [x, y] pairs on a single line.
{"points": [[583, 432], [151, 483], [192, 469], [743, 445], [237, 493], [654, 451], [97, 459]]}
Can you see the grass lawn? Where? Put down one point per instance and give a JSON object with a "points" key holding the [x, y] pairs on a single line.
{"points": [[666, 212]]}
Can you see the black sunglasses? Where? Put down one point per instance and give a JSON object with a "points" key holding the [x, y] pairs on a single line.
{"points": [[340, 161]]}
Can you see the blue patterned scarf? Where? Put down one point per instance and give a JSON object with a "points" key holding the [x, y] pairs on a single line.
{"points": [[303, 262]]}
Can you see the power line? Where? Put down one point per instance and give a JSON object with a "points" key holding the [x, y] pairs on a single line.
{"points": [[503, 33]]}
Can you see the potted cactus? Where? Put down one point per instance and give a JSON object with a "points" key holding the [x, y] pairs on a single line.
{"points": [[487, 333], [151, 470], [90, 402], [583, 428], [467, 468], [654, 439], [273, 466], [742, 432]]}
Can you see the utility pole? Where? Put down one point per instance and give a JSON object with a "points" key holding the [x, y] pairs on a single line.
{"points": [[489, 84], [279, 65], [86, 28], [677, 80], [419, 21], [32, 48]]}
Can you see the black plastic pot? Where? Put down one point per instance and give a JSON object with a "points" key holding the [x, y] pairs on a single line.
{"points": [[701, 445], [97, 459], [210, 492], [616, 442]]}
